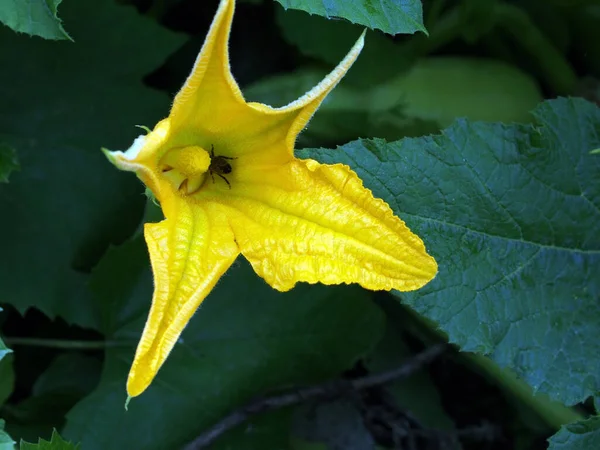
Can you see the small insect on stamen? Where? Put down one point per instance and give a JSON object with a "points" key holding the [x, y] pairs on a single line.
{"points": [[219, 165]]}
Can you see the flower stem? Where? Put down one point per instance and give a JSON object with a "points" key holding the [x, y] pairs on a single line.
{"points": [[63, 343], [555, 68]]}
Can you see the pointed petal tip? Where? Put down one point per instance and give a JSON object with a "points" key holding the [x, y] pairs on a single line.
{"points": [[117, 158], [361, 39], [110, 155], [136, 386], [430, 267]]}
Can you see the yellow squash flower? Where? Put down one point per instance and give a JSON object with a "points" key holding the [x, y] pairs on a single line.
{"points": [[226, 177]]}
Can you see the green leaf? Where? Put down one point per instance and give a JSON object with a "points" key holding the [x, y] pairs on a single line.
{"points": [[389, 16], [8, 162], [511, 214], [6, 442], [583, 435], [444, 88], [61, 102], [55, 443], [246, 340], [71, 374], [33, 17], [69, 377]]}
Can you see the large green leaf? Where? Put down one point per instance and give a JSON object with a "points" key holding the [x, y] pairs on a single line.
{"points": [[61, 102], [71, 374], [390, 16], [55, 443], [246, 340], [583, 435], [511, 214], [8, 162], [33, 17]]}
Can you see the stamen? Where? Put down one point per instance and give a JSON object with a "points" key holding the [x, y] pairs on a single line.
{"points": [[190, 161], [185, 168]]}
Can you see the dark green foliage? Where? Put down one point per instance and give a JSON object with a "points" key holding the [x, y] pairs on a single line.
{"points": [[510, 208]]}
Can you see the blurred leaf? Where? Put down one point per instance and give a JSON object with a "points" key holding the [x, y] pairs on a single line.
{"points": [[33, 17], [55, 443], [444, 88], [539, 54], [511, 214], [583, 435], [337, 424], [245, 341], [428, 97], [6, 442], [330, 40], [8, 162], [70, 377], [60, 104], [551, 20], [389, 16], [71, 373], [38, 415]]}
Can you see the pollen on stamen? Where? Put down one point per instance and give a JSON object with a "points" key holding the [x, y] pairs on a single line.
{"points": [[190, 161]]}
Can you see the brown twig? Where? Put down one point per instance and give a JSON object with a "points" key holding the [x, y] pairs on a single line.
{"points": [[325, 391]]}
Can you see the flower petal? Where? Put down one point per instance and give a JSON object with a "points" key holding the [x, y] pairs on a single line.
{"points": [[302, 109], [317, 223], [190, 250], [211, 85], [210, 109]]}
